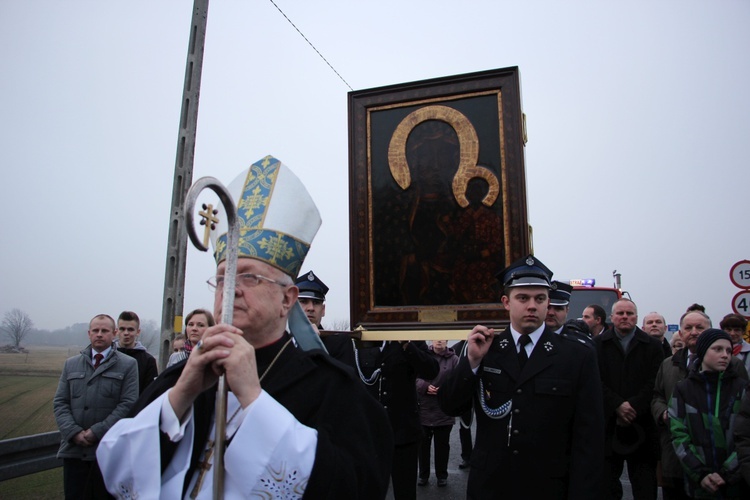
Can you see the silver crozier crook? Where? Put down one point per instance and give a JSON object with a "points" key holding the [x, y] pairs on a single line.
{"points": [[233, 234]]}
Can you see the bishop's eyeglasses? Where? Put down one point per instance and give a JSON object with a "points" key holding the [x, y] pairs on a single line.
{"points": [[245, 280]]}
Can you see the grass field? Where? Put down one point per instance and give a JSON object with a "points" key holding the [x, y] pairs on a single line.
{"points": [[27, 386], [26, 405], [47, 485]]}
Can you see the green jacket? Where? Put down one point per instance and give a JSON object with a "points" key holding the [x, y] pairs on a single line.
{"points": [[672, 371], [702, 413]]}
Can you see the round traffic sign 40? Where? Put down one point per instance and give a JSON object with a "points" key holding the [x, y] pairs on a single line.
{"points": [[741, 303]]}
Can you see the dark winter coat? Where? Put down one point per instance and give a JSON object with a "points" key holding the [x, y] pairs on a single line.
{"points": [[742, 438], [671, 372], [702, 413], [630, 377], [430, 413], [147, 370]]}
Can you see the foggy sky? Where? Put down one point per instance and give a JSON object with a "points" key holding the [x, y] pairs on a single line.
{"points": [[636, 161]]}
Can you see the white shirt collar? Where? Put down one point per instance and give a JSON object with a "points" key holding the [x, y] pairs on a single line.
{"points": [[534, 336]]}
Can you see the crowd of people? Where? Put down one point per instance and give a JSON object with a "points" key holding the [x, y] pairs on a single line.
{"points": [[560, 405]]}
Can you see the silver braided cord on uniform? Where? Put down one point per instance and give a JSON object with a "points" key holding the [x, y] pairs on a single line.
{"points": [[501, 411], [375, 375]]}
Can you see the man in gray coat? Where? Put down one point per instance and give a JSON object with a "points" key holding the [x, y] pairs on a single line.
{"points": [[96, 389]]}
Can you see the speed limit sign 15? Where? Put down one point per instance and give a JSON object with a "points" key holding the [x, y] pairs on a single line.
{"points": [[741, 303], [740, 274]]}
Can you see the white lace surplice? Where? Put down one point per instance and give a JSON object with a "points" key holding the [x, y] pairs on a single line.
{"points": [[271, 454]]}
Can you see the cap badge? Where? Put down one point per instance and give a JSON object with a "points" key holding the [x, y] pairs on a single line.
{"points": [[310, 276], [530, 261]]}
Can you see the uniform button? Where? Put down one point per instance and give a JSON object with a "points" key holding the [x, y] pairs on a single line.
{"points": [[519, 391], [385, 392], [515, 452], [515, 433], [516, 411], [554, 389]]}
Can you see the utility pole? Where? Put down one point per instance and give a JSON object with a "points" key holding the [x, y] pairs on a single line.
{"points": [[174, 276]]}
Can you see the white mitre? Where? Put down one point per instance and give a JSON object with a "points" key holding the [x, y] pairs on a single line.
{"points": [[278, 218]]}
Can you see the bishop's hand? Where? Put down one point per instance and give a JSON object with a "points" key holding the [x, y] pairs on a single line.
{"points": [[202, 370], [241, 369]]}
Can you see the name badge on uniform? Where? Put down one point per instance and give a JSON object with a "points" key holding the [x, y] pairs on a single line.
{"points": [[496, 371]]}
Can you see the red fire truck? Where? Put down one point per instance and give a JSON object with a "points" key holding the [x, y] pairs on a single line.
{"points": [[585, 293]]}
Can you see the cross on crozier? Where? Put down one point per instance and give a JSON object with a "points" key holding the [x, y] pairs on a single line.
{"points": [[208, 219]]}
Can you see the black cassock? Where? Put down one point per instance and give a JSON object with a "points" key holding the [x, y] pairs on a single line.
{"points": [[355, 441]]}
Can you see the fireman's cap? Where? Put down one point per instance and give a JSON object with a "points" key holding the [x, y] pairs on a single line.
{"points": [[311, 287], [528, 271], [559, 294]]}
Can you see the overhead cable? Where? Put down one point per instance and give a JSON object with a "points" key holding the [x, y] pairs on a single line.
{"points": [[311, 45]]}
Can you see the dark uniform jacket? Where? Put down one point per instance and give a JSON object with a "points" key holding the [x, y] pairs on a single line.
{"points": [[630, 377], [395, 388], [551, 443], [339, 346]]}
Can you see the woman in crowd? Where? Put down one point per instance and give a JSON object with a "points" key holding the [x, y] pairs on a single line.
{"points": [[435, 422], [195, 324]]}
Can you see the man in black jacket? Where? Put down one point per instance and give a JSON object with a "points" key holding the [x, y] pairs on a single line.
{"points": [[128, 331], [655, 325], [537, 397], [628, 361]]}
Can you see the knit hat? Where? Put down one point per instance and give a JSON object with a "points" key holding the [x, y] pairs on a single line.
{"points": [[706, 340]]}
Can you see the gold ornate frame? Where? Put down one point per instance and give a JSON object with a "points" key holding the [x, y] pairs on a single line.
{"points": [[437, 200]]}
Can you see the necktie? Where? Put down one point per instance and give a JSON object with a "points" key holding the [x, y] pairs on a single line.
{"points": [[97, 360], [522, 356]]}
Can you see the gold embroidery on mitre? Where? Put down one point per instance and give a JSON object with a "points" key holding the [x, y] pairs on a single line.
{"points": [[277, 248]]}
